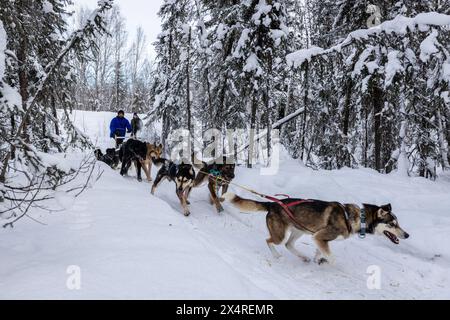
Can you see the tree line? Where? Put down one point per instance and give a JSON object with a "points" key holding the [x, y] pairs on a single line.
{"points": [[117, 72]]}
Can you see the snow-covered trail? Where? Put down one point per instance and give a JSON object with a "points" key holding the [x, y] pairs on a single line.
{"points": [[126, 243], [407, 271], [129, 244]]}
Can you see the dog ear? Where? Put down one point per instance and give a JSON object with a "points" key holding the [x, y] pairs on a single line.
{"points": [[387, 207], [370, 208]]}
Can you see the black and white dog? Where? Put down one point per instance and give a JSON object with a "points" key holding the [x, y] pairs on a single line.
{"points": [[182, 174], [111, 158], [133, 151]]}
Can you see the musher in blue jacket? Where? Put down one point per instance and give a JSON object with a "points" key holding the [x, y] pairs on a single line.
{"points": [[119, 127]]}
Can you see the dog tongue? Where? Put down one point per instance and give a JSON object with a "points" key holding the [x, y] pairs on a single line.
{"points": [[392, 237]]}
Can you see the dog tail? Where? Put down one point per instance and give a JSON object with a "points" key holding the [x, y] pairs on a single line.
{"points": [[247, 205]]}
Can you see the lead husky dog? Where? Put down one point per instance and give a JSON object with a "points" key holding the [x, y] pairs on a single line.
{"points": [[325, 221]]}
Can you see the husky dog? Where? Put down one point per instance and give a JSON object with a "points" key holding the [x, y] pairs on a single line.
{"points": [[182, 174], [111, 158], [217, 174], [154, 152], [141, 154], [133, 151], [325, 221]]}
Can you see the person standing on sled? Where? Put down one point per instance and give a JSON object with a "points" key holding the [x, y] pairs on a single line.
{"points": [[136, 125], [119, 127]]}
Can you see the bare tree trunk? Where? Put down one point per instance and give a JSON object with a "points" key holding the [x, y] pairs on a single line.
{"points": [[13, 129], [366, 136], [22, 57], [218, 113], [402, 161], [165, 116], [442, 143], [165, 129], [251, 148], [447, 118], [268, 123], [305, 114], [377, 101], [284, 111], [346, 161], [55, 114], [188, 93], [268, 110]]}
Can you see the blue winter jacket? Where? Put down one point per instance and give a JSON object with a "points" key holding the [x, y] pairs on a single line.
{"points": [[119, 127]]}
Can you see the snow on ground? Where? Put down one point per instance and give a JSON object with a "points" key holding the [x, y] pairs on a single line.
{"points": [[129, 244]]}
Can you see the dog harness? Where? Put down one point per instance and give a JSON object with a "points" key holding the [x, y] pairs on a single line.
{"points": [[286, 208], [216, 175], [172, 169], [362, 232], [347, 218]]}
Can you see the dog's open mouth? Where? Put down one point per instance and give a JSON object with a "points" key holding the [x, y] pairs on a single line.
{"points": [[391, 237]]}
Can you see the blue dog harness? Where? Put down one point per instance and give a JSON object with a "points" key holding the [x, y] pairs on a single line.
{"points": [[362, 232], [216, 173]]}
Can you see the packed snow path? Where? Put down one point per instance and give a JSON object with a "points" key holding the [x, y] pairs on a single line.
{"points": [[129, 244]]}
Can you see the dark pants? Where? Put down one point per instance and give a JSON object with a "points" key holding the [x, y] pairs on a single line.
{"points": [[119, 138]]}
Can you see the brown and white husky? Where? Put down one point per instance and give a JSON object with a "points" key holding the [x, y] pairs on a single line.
{"points": [[324, 221]]}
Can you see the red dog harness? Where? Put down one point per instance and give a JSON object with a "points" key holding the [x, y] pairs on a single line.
{"points": [[286, 207], [287, 210]]}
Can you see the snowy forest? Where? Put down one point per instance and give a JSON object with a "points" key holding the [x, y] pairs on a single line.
{"points": [[357, 91], [375, 98]]}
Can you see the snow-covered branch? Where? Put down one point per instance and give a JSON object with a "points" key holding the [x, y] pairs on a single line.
{"points": [[400, 25]]}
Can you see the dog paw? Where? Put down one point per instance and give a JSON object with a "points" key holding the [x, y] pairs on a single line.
{"points": [[322, 261], [305, 259], [187, 214], [188, 202], [220, 209]]}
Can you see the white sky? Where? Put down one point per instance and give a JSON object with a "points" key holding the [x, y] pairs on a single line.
{"points": [[137, 13]]}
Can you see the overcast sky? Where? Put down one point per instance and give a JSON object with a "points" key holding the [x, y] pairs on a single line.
{"points": [[137, 13]]}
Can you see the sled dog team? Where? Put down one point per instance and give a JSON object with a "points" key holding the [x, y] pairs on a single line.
{"points": [[287, 220]]}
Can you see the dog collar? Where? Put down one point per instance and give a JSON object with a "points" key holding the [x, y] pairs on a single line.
{"points": [[362, 231]]}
